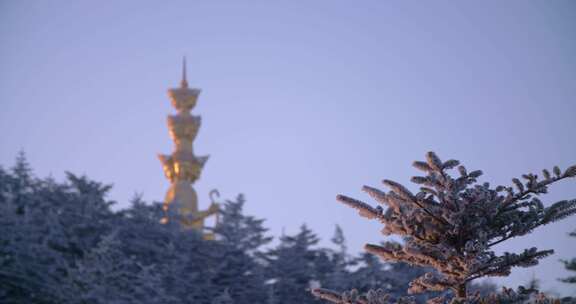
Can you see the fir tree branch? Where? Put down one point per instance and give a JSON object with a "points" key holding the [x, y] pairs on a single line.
{"points": [[405, 194], [539, 187], [364, 209]]}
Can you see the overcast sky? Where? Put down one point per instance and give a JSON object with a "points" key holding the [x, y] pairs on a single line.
{"points": [[301, 100]]}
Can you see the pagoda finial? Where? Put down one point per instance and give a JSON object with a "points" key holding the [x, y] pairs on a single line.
{"points": [[184, 81]]}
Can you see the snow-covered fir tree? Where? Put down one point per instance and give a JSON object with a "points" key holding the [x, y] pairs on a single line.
{"points": [[240, 231], [292, 267], [452, 224], [107, 275], [240, 270], [182, 258], [332, 266], [46, 227]]}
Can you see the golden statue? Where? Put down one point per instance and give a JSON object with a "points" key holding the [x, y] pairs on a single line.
{"points": [[182, 168]]}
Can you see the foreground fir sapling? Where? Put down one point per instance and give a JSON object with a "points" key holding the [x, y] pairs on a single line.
{"points": [[452, 225]]}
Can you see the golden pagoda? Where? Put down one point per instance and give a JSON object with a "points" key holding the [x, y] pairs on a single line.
{"points": [[182, 168]]}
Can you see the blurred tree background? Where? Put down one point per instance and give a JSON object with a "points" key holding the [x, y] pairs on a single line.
{"points": [[61, 242]]}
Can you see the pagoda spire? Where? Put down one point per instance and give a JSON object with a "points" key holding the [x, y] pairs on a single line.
{"points": [[184, 81], [182, 168]]}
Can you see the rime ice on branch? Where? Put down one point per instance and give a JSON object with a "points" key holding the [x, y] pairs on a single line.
{"points": [[453, 222]]}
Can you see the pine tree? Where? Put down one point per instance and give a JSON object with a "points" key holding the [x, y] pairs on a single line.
{"points": [[340, 241], [292, 266], [23, 177], [244, 233], [240, 238], [107, 275], [452, 223], [46, 227], [332, 265], [183, 260], [570, 265]]}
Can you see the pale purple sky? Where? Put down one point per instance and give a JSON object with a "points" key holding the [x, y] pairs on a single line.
{"points": [[301, 100]]}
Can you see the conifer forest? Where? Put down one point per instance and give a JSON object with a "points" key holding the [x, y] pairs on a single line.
{"points": [[62, 243]]}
